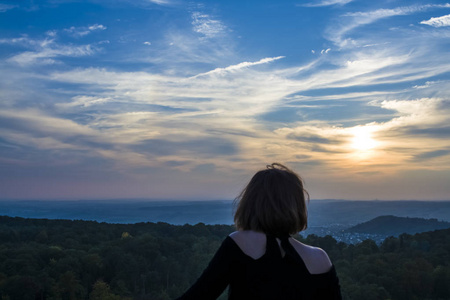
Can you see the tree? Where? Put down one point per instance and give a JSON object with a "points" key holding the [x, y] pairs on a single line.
{"points": [[102, 291], [68, 287]]}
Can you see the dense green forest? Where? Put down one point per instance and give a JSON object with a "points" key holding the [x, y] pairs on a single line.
{"points": [[62, 259]]}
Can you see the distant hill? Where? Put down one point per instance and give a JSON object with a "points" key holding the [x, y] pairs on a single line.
{"points": [[392, 225]]}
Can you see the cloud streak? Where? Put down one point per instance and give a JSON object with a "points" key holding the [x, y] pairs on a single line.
{"points": [[83, 31], [327, 3], [443, 21], [354, 20], [239, 66], [45, 51]]}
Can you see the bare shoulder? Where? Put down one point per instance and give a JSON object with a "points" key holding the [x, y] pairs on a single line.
{"points": [[316, 259], [246, 234], [252, 243]]}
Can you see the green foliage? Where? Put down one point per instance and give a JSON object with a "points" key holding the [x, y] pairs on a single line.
{"points": [[408, 267], [61, 259], [102, 291]]}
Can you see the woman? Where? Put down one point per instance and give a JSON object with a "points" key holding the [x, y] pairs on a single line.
{"points": [[261, 260]]}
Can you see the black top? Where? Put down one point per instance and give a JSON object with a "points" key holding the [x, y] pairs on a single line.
{"points": [[270, 277]]}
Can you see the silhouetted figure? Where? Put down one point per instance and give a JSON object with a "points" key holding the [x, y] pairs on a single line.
{"points": [[261, 260]]}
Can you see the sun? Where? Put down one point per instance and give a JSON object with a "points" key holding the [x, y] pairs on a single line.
{"points": [[362, 138]]}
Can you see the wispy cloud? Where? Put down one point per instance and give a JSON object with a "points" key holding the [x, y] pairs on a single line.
{"points": [[47, 54], [371, 16], [240, 66], [6, 7], [205, 25], [194, 45], [427, 84], [27, 41], [327, 3], [45, 51], [141, 112], [198, 107], [83, 31], [354, 20], [192, 96], [35, 123], [438, 22], [160, 2]]}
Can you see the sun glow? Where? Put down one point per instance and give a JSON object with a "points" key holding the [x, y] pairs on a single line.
{"points": [[362, 138]]}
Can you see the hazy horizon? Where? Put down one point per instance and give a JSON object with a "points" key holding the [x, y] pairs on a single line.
{"points": [[182, 99], [336, 213], [205, 199]]}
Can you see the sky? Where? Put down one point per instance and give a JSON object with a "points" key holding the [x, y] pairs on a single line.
{"points": [[173, 99]]}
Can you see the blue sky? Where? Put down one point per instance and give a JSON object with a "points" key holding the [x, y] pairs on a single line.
{"points": [[172, 99]]}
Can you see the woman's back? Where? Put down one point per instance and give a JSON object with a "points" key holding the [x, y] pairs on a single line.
{"points": [[253, 244], [269, 269], [266, 267]]}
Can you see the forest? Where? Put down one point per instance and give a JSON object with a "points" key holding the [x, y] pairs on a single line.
{"points": [[64, 259]]}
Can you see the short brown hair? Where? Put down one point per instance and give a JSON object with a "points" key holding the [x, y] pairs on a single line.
{"points": [[273, 202]]}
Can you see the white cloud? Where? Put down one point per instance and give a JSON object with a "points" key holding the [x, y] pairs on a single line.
{"points": [[327, 3], [354, 20], [160, 2], [97, 27], [207, 26], [28, 42], [147, 43], [357, 19], [199, 105], [85, 30], [240, 66], [398, 11], [187, 47], [45, 54], [44, 51], [438, 22], [21, 40], [232, 104], [425, 107], [198, 90], [84, 101], [51, 33], [428, 84], [371, 16]]}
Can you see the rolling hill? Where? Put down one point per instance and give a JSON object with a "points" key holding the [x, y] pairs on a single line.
{"points": [[393, 225]]}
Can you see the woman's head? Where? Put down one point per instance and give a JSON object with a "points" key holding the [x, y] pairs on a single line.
{"points": [[273, 202]]}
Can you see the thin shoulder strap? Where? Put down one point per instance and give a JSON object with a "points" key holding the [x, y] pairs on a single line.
{"points": [[272, 249], [291, 252], [287, 247]]}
